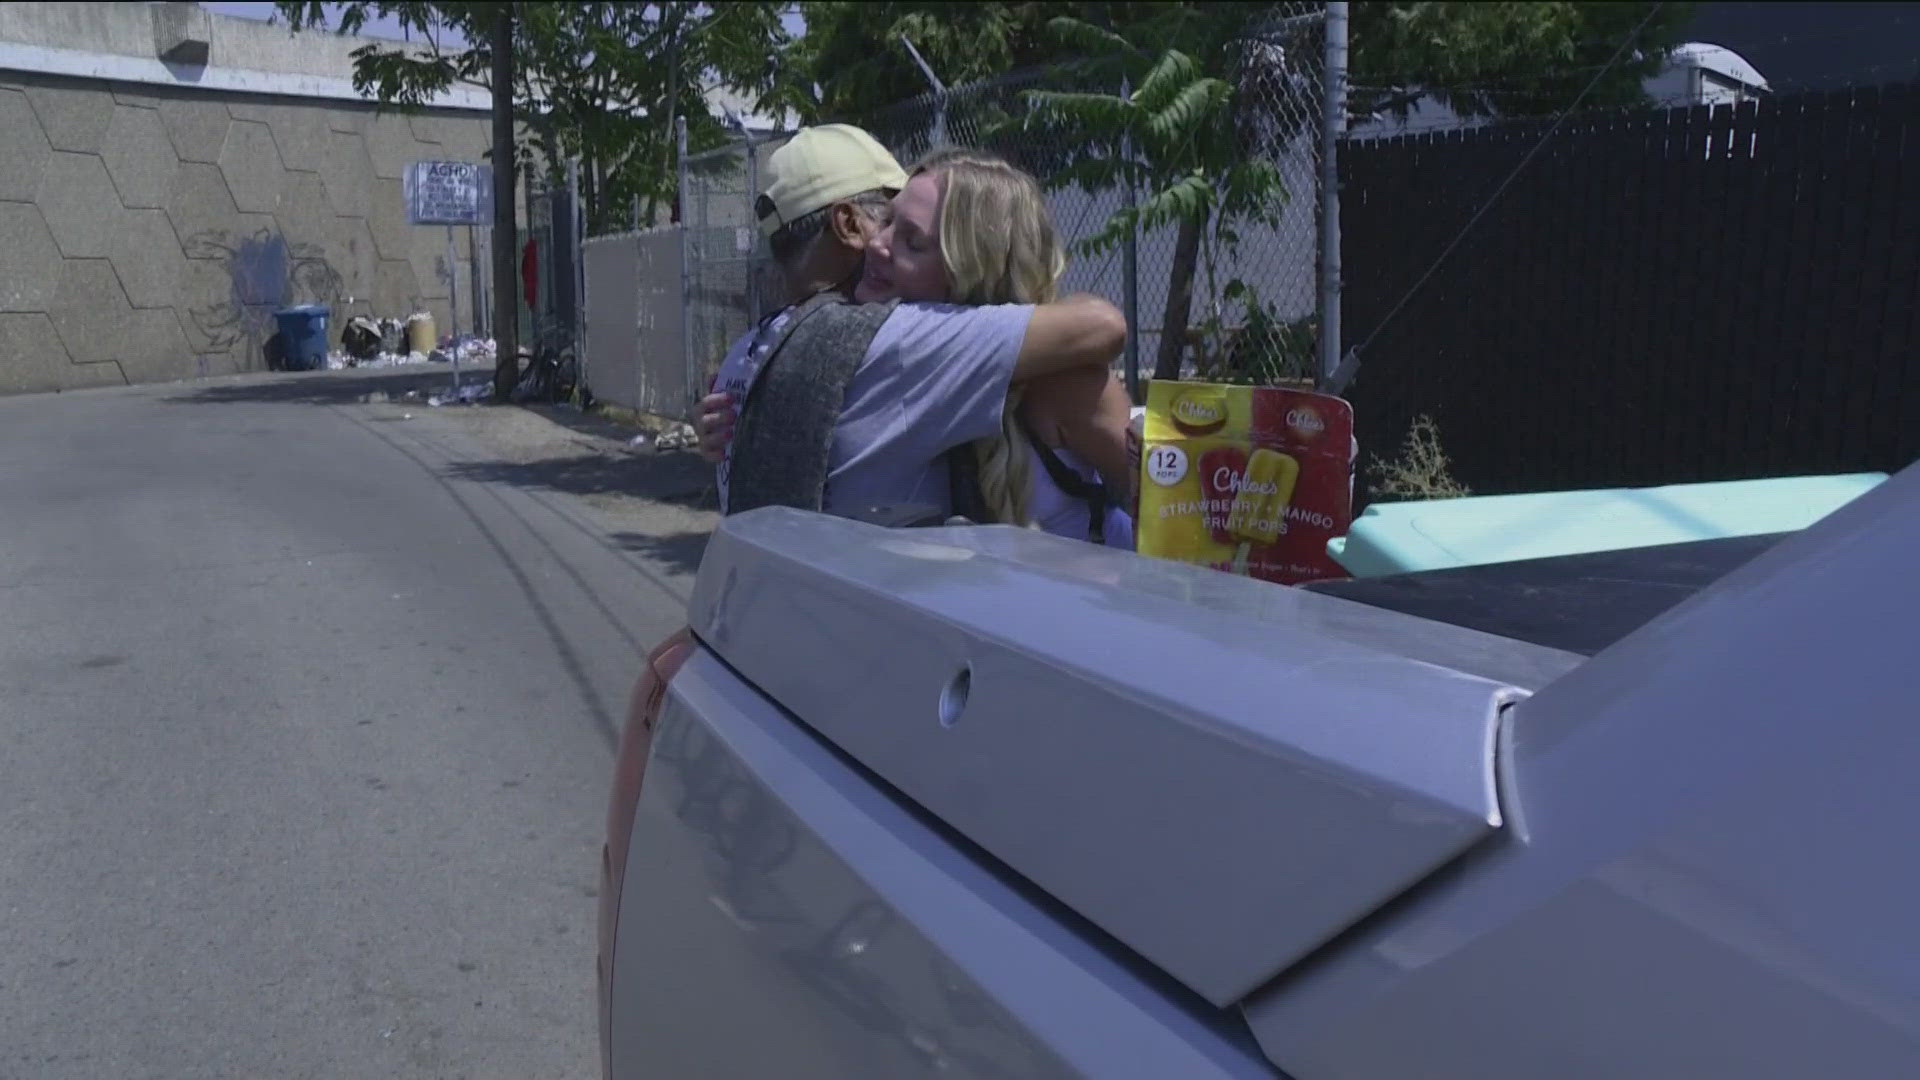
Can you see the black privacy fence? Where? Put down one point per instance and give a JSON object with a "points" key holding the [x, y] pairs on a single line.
{"points": [[1665, 296]]}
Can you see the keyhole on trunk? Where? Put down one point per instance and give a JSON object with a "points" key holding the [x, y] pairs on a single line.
{"points": [[953, 700]]}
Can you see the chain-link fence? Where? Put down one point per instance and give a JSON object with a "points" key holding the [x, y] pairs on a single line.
{"points": [[730, 281], [548, 267], [662, 305], [1551, 224], [1229, 294]]}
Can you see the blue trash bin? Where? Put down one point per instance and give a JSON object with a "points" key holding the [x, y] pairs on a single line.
{"points": [[303, 335]]}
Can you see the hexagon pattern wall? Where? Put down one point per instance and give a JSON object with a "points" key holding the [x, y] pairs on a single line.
{"points": [[150, 232]]}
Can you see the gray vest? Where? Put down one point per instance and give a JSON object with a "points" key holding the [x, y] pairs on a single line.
{"points": [[781, 446]]}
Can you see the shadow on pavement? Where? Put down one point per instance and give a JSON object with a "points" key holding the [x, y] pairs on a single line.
{"points": [[682, 551], [325, 387], [680, 478], [588, 423]]}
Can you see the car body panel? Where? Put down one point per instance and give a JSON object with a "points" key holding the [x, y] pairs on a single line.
{"points": [[785, 916], [1346, 752], [1708, 869]]}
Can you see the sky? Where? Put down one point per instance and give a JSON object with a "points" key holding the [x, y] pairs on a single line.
{"points": [[386, 27], [382, 27]]}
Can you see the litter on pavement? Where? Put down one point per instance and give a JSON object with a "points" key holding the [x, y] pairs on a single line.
{"points": [[479, 352], [472, 393], [677, 437]]}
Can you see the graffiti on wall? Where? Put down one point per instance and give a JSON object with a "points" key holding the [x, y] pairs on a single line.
{"points": [[264, 272]]}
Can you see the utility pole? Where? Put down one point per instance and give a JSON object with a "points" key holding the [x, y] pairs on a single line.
{"points": [[506, 293], [1130, 267], [1329, 376]]}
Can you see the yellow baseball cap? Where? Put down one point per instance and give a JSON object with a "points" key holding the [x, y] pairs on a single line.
{"points": [[818, 167]]}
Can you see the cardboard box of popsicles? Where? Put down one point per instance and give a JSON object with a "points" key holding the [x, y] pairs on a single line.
{"points": [[1250, 480]]}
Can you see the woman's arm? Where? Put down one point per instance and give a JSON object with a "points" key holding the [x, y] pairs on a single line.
{"points": [[1079, 333], [1086, 410]]}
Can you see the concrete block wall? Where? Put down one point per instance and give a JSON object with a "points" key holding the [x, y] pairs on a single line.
{"points": [[149, 232]]}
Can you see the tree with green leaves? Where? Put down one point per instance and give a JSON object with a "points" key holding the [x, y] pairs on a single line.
{"points": [[598, 83], [617, 76], [1194, 134], [466, 43], [1508, 59], [1174, 136], [852, 59], [1201, 124]]}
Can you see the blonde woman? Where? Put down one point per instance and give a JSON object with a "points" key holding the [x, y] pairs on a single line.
{"points": [[969, 228]]}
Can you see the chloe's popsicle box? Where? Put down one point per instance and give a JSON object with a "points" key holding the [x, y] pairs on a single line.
{"points": [[1252, 480]]}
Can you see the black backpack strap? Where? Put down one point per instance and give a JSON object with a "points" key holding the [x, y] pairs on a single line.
{"points": [[963, 486], [1075, 485], [781, 448]]}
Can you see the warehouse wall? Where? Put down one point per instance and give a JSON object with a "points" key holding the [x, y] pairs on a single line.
{"points": [[149, 231]]}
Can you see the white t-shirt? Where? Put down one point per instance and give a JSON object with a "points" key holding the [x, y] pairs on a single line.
{"points": [[1066, 515]]}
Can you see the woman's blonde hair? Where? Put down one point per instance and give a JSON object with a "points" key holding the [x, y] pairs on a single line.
{"points": [[999, 246]]}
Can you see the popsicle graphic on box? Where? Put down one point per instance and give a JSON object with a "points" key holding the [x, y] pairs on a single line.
{"points": [[1259, 513], [1253, 480]]}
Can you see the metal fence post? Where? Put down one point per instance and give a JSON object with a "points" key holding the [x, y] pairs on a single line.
{"points": [[453, 285], [453, 305], [1130, 270], [939, 135], [478, 266], [575, 233], [1333, 125], [686, 266], [753, 191], [476, 318]]}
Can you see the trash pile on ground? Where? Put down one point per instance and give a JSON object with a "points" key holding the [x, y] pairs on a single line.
{"points": [[673, 437], [476, 352], [360, 339], [381, 343], [677, 437]]}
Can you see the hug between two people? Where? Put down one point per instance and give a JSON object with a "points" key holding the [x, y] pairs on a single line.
{"points": [[922, 310]]}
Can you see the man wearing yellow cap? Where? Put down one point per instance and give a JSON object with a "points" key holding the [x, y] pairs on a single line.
{"points": [[929, 377]]}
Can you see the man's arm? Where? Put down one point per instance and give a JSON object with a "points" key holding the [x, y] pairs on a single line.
{"points": [[1080, 331]]}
